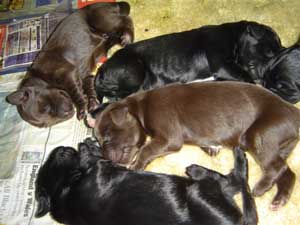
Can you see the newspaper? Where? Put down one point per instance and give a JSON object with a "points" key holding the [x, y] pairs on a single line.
{"points": [[20, 40], [24, 148], [23, 8]]}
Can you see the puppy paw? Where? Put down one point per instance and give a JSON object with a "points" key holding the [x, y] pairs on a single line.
{"points": [[277, 204], [212, 150], [92, 104], [125, 39]]}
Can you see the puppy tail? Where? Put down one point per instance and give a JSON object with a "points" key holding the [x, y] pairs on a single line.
{"points": [[240, 172]]}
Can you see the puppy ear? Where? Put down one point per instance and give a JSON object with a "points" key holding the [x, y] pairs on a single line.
{"points": [[124, 8], [19, 97], [82, 147], [120, 115], [255, 31], [43, 207]]}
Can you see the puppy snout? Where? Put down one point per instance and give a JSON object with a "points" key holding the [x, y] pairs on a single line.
{"points": [[114, 156]]}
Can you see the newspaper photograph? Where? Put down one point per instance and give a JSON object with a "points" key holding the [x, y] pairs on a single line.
{"points": [[21, 40]]}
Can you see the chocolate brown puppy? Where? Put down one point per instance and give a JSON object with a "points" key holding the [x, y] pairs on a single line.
{"points": [[60, 75], [205, 114]]}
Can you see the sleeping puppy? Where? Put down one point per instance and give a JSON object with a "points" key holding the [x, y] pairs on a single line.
{"points": [[231, 51], [283, 74], [81, 188], [206, 114], [60, 75]]}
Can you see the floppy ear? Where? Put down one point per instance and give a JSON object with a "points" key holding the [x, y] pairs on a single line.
{"points": [[124, 8], [120, 115], [255, 31], [43, 207], [19, 97]]}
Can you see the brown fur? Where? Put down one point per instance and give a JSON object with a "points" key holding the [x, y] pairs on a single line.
{"points": [[60, 76], [205, 114]]}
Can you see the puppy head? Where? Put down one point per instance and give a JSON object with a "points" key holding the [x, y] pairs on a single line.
{"points": [[256, 46], [54, 176], [119, 133], [109, 17], [42, 107], [283, 74], [122, 75]]}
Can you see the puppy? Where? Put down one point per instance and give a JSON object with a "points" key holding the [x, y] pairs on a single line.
{"points": [[206, 114], [60, 75], [81, 188], [231, 51], [283, 74]]}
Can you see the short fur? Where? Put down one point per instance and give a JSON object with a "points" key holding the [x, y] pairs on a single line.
{"points": [[232, 51], [205, 114], [283, 74], [81, 188], [60, 75]]}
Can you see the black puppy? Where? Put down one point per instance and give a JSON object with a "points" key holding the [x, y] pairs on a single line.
{"points": [[80, 188], [283, 74], [232, 51]]}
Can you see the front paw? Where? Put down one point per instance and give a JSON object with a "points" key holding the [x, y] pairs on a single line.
{"points": [[125, 39], [92, 104], [212, 150]]}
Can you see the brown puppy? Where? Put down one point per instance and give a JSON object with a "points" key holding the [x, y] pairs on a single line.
{"points": [[60, 76], [205, 114]]}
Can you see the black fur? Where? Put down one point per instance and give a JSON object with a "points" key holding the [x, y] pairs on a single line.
{"points": [[80, 188], [283, 74], [232, 51]]}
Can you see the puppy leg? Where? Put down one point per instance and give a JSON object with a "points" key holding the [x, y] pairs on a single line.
{"points": [[197, 172], [212, 150], [269, 150], [74, 88], [234, 72], [157, 147], [88, 88], [272, 171], [286, 181], [285, 185]]}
